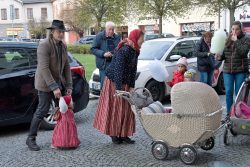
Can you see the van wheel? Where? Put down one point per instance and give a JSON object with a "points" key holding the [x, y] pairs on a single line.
{"points": [[156, 89], [220, 88]]}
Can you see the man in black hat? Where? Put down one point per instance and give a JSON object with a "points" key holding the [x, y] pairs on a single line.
{"points": [[52, 77]]}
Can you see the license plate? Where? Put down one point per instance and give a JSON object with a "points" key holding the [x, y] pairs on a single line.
{"points": [[96, 86]]}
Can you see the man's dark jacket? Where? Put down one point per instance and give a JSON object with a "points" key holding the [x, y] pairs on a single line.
{"points": [[100, 47]]}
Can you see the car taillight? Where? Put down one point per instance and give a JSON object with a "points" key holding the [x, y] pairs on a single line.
{"points": [[79, 70]]}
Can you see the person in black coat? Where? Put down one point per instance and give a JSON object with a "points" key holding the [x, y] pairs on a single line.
{"points": [[205, 58], [114, 116], [103, 48]]}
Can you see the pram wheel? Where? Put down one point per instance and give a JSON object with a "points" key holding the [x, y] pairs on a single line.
{"points": [[188, 154], [225, 137], [208, 144], [233, 132], [160, 150]]}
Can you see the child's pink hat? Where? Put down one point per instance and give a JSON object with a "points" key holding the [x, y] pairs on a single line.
{"points": [[183, 61]]}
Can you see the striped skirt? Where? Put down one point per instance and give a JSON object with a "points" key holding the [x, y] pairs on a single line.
{"points": [[114, 116]]}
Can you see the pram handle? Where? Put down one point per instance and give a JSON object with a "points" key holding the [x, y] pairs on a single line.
{"points": [[144, 90]]}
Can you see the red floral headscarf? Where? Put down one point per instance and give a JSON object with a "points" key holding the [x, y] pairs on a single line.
{"points": [[132, 40]]}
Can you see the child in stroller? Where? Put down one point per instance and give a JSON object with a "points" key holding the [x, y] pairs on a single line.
{"points": [[239, 122]]}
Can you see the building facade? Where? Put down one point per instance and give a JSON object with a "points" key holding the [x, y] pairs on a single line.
{"points": [[16, 14], [191, 24]]}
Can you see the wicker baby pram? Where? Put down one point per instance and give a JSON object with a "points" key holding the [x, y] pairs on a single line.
{"points": [[195, 117]]}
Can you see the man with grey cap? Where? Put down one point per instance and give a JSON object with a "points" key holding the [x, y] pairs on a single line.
{"points": [[52, 77], [103, 48]]}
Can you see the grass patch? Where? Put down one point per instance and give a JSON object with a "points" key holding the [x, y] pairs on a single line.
{"points": [[88, 60]]}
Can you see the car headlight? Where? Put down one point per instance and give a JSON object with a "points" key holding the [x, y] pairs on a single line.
{"points": [[137, 75]]}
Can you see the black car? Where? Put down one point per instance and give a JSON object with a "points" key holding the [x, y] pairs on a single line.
{"points": [[86, 40], [18, 97]]}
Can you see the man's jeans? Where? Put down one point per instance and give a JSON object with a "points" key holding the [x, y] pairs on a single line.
{"points": [[231, 80], [206, 77], [42, 110]]}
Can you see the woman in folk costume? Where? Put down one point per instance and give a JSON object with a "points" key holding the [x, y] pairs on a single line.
{"points": [[65, 132], [114, 116]]}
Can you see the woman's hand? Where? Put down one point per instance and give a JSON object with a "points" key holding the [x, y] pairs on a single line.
{"points": [[217, 56], [131, 89], [234, 37]]}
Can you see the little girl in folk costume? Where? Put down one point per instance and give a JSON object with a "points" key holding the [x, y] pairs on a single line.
{"points": [[65, 132]]}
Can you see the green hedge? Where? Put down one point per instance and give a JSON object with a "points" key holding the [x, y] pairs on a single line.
{"points": [[80, 49]]}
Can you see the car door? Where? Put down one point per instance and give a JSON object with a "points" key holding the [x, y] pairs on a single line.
{"points": [[16, 83]]}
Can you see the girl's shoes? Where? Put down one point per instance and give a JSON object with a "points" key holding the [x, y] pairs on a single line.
{"points": [[53, 147], [127, 140]]}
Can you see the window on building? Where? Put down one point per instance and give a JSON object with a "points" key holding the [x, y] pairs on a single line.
{"points": [[17, 13], [30, 13], [4, 14], [44, 14]]}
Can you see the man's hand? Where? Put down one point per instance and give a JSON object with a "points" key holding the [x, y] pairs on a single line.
{"points": [[108, 54], [69, 92], [57, 93]]}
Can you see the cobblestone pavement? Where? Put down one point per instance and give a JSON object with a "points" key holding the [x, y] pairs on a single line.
{"points": [[97, 150]]}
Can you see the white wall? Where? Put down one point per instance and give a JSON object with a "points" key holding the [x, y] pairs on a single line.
{"points": [[173, 26], [37, 11], [5, 4]]}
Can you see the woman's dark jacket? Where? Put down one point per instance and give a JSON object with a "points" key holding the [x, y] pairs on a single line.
{"points": [[203, 61], [235, 57], [123, 67]]}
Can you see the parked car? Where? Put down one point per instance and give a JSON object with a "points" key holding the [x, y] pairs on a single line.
{"points": [[168, 51], [86, 40], [9, 39], [25, 40], [18, 97], [155, 36]]}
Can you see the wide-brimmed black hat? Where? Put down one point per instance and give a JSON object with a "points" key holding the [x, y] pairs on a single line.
{"points": [[57, 24]]}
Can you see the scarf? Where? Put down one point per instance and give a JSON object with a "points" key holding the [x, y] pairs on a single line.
{"points": [[132, 40]]}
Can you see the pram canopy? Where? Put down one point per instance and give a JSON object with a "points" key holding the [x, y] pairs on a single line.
{"points": [[192, 98]]}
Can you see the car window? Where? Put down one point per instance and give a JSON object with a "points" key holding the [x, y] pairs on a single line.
{"points": [[154, 49], [184, 49], [32, 52], [13, 60]]}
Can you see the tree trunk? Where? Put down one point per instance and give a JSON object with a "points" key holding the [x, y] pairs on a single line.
{"points": [[231, 16], [98, 25], [160, 25]]}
